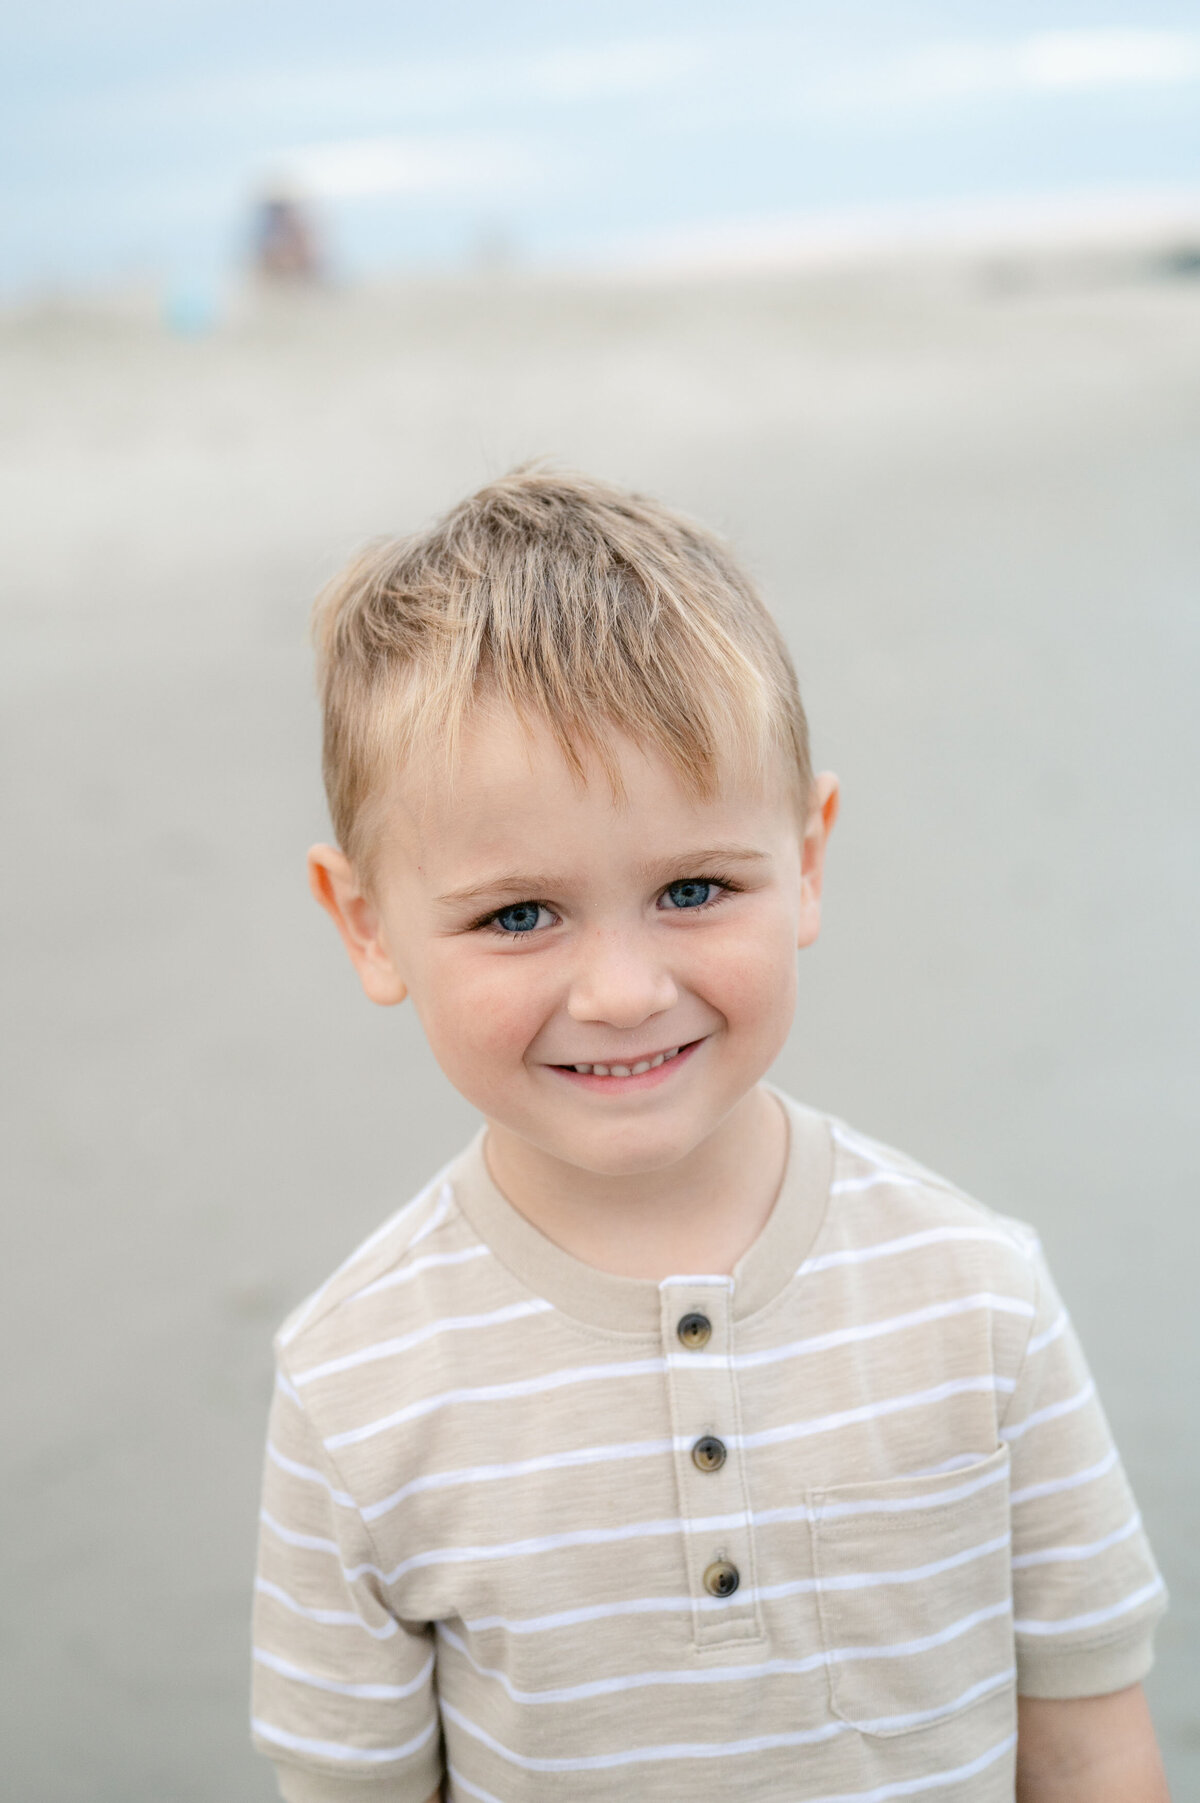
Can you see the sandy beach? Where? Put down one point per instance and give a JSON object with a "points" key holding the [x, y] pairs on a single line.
{"points": [[971, 498]]}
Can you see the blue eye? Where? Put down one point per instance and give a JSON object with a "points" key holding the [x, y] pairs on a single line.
{"points": [[690, 894], [521, 918]]}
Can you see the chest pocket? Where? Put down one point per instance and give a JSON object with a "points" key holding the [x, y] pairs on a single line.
{"points": [[914, 1595]]}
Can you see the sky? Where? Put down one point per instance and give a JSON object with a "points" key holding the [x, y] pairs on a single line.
{"points": [[135, 136]]}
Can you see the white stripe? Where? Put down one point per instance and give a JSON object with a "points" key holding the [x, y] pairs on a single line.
{"points": [[737, 1522], [334, 1749], [378, 1693], [651, 1367], [848, 1185], [458, 1782], [1040, 1341], [1094, 1618], [870, 1580], [719, 1523], [328, 1618], [573, 1618], [956, 1629], [489, 1393], [550, 1461], [644, 1367], [599, 1762], [959, 1462], [849, 1336], [445, 1197], [872, 1411], [644, 1530], [1053, 1555], [728, 1674], [642, 1605], [887, 1724], [1056, 1485], [852, 1141], [430, 1262], [436, 1215], [384, 1349], [1052, 1412], [884, 1159], [286, 1388], [313, 1543], [900, 1505], [759, 1743], [715, 1524], [909, 1242], [637, 1449], [310, 1475], [911, 1787]]}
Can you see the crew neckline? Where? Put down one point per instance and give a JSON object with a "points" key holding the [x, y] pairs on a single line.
{"points": [[632, 1305]]}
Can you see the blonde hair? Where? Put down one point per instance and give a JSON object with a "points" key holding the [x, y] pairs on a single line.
{"points": [[576, 604]]}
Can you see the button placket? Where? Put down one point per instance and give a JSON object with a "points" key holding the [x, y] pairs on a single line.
{"points": [[696, 1327]]}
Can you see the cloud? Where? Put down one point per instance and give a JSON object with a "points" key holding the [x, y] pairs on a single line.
{"points": [[758, 70], [717, 73], [355, 168], [1110, 59], [616, 70], [434, 89], [1075, 61]]}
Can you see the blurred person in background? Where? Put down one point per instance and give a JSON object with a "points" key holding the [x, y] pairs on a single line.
{"points": [[286, 248]]}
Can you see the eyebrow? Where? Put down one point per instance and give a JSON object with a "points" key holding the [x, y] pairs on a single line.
{"points": [[512, 883]]}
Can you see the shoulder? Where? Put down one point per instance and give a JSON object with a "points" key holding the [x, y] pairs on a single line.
{"points": [[393, 1269], [887, 1208]]}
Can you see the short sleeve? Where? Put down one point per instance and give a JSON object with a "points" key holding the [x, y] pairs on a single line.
{"points": [[343, 1692], [1086, 1591]]}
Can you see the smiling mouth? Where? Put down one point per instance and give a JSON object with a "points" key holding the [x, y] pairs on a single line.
{"points": [[636, 1069]]}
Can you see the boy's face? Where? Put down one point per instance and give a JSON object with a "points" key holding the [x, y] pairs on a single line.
{"points": [[540, 926]]}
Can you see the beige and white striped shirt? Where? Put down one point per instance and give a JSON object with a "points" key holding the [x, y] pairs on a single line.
{"points": [[804, 1531]]}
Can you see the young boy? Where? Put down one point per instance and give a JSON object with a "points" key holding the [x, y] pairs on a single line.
{"points": [[676, 1440]]}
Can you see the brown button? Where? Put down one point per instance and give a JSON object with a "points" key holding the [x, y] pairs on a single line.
{"points": [[695, 1331], [721, 1578], [708, 1454]]}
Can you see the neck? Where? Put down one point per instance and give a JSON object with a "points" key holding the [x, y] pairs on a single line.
{"points": [[697, 1216]]}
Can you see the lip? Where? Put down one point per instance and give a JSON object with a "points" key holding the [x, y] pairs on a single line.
{"points": [[611, 1086]]}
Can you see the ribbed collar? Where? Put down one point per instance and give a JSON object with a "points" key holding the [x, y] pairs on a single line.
{"points": [[631, 1305]]}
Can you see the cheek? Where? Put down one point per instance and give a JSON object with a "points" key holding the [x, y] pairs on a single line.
{"points": [[479, 1007], [756, 971]]}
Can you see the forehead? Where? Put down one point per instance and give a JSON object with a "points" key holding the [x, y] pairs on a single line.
{"points": [[511, 794]]}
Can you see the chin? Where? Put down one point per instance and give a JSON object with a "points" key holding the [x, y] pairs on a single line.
{"points": [[633, 1155]]}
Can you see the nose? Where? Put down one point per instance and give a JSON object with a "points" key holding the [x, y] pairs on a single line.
{"points": [[619, 983]]}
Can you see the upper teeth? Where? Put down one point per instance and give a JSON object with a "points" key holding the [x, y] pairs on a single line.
{"points": [[627, 1070]]}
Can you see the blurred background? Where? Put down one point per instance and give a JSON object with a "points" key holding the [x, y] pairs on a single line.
{"points": [[906, 300]]}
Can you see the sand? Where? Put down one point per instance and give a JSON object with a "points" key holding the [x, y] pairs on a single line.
{"points": [[973, 503]]}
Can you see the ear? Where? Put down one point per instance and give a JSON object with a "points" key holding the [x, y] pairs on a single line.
{"points": [[335, 884], [822, 815]]}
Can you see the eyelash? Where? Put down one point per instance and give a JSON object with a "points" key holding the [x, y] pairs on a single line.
{"points": [[723, 884]]}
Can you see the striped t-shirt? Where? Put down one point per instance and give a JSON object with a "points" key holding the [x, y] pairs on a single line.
{"points": [[798, 1534]]}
